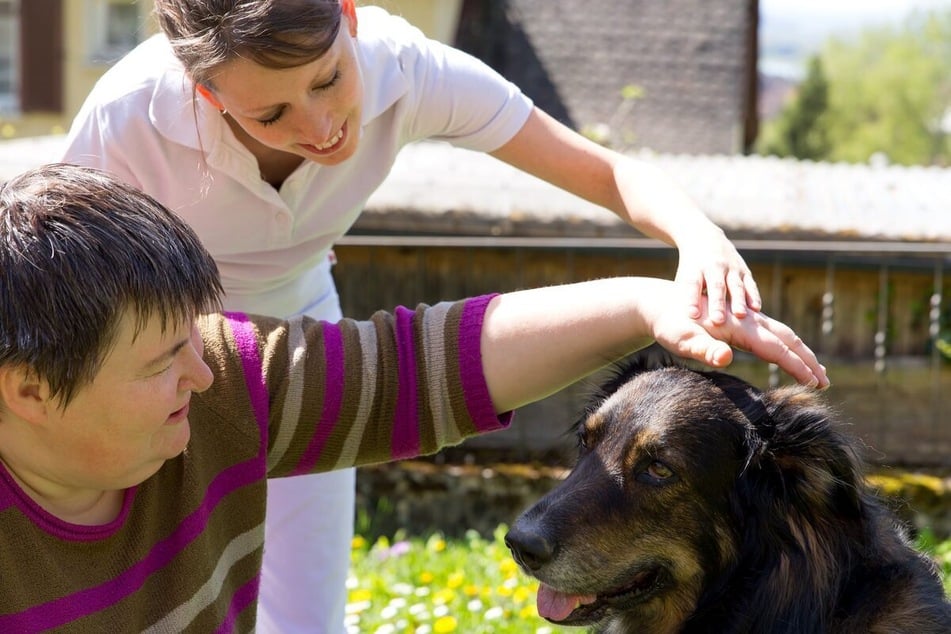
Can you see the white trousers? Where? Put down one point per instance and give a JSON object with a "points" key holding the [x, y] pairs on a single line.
{"points": [[309, 524], [307, 537]]}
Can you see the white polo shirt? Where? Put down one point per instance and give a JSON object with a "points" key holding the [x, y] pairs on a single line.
{"points": [[271, 246]]}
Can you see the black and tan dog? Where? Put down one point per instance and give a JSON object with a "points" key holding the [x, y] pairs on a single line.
{"points": [[700, 504]]}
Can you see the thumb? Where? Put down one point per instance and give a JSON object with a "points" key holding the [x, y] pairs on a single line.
{"points": [[704, 348]]}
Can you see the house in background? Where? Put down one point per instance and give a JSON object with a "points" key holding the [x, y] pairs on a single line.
{"points": [[676, 76], [53, 51]]}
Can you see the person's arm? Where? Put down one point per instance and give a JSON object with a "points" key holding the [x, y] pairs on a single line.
{"points": [[409, 382], [538, 341], [646, 198]]}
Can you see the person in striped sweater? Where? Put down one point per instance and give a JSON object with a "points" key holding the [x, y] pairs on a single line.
{"points": [[138, 427]]}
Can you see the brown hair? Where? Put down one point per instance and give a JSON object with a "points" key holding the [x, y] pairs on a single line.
{"points": [[205, 34], [78, 249]]}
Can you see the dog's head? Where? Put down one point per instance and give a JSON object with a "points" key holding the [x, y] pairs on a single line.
{"points": [[658, 510]]}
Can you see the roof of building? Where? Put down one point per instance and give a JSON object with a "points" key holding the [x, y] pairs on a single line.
{"points": [[749, 196], [436, 188]]}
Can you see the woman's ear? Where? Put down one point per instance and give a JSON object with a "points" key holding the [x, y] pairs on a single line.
{"points": [[209, 96], [350, 11], [24, 394]]}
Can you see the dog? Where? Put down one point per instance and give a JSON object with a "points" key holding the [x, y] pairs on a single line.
{"points": [[699, 503]]}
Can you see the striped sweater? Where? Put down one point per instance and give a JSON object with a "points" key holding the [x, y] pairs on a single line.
{"points": [[289, 397]]}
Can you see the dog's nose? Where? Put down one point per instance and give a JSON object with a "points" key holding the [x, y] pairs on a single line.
{"points": [[530, 549]]}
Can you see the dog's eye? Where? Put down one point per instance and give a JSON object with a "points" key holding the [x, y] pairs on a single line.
{"points": [[659, 471]]}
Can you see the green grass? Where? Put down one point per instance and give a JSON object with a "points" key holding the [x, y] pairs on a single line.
{"points": [[423, 586], [471, 586]]}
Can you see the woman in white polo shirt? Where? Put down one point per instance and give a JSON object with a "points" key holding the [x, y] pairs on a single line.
{"points": [[298, 118]]}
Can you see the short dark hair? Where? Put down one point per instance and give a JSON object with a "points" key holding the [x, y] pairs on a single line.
{"points": [[78, 249]]}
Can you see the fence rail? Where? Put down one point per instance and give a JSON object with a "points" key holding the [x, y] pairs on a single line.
{"points": [[877, 312]]}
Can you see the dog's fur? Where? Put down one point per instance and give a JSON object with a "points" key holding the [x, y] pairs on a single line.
{"points": [[700, 504]]}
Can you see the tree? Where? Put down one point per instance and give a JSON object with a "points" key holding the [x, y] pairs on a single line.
{"points": [[888, 92], [800, 130]]}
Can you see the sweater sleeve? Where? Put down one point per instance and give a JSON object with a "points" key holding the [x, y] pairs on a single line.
{"points": [[327, 396]]}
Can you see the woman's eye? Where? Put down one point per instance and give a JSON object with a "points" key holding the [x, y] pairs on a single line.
{"points": [[272, 119], [329, 84]]}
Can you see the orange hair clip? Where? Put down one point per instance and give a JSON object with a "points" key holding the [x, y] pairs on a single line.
{"points": [[204, 92], [350, 10]]}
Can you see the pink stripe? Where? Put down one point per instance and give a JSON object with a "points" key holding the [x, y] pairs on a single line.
{"points": [[474, 388], [12, 495], [240, 600], [246, 341], [79, 604], [333, 397], [405, 440]]}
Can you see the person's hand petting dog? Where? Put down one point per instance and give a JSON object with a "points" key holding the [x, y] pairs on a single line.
{"points": [[709, 337], [613, 317]]}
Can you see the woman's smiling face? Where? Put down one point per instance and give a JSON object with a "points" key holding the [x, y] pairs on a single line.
{"points": [[122, 427], [312, 111]]}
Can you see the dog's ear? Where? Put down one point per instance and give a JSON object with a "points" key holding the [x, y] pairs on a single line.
{"points": [[808, 447], [800, 504], [812, 465]]}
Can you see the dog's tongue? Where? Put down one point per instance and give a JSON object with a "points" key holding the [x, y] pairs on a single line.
{"points": [[556, 606]]}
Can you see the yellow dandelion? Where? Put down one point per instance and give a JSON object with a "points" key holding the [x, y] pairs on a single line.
{"points": [[437, 544], [471, 590], [521, 594], [528, 612], [445, 624], [444, 595], [426, 577], [508, 567], [358, 543], [503, 591], [359, 595], [455, 579]]}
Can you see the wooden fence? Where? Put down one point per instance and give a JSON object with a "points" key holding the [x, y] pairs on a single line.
{"points": [[874, 312]]}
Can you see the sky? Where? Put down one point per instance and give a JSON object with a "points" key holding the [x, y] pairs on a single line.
{"points": [[857, 8]]}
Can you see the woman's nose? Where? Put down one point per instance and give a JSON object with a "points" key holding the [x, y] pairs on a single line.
{"points": [[317, 126]]}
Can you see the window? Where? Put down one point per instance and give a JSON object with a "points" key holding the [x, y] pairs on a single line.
{"points": [[9, 43], [116, 27]]}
